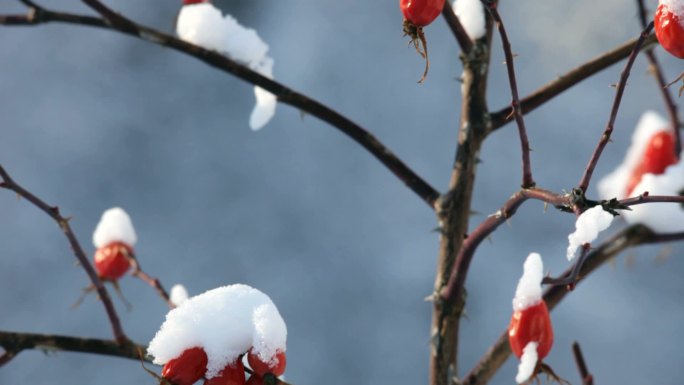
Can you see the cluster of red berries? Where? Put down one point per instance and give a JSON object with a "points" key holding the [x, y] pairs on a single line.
{"points": [[113, 260], [191, 366]]}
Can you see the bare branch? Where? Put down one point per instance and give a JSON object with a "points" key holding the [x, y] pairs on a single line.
{"points": [[17, 342], [527, 180], [586, 178], [284, 94], [566, 81], [456, 28], [53, 212], [153, 282], [646, 198], [631, 236], [587, 378]]}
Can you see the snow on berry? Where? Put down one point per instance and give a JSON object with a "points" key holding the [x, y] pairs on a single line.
{"points": [[204, 25], [226, 322], [660, 217], [114, 226], [530, 333], [471, 15], [645, 169], [178, 294], [529, 291], [587, 228], [528, 363], [614, 185]]}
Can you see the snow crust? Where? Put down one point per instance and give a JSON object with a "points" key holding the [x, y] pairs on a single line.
{"points": [[226, 322], [178, 294], [587, 228], [528, 362], [660, 217], [472, 17], [204, 25], [614, 185], [114, 226], [529, 290], [676, 7]]}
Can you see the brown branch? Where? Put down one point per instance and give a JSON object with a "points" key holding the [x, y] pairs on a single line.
{"points": [[566, 81], [587, 378], [527, 180], [456, 27], [631, 236], [646, 198], [455, 287], [17, 342], [586, 178], [53, 212], [284, 94], [657, 72], [453, 208]]}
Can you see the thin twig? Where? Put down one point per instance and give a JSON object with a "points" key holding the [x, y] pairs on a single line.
{"points": [[657, 71], [647, 198], [456, 27], [568, 80], [527, 179], [631, 236], [53, 211], [586, 178], [587, 378], [284, 94], [153, 282]]}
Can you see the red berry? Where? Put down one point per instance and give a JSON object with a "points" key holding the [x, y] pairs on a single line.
{"points": [[188, 2], [187, 368], [658, 154], [669, 30], [421, 12], [260, 367], [112, 260], [232, 374], [532, 324]]}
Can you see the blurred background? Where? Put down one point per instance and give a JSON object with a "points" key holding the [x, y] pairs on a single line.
{"points": [[92, 119]]}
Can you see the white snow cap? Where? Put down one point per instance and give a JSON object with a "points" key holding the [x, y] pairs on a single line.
{"points": [[178, 294], [226, 322], [614, 185], [204, 25], [528, 362], [587, 228], [529, 290], [676, 7], [660, 217], [114, 226], [471, 15]]}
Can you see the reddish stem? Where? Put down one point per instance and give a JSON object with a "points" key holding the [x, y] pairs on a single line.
{"points": [[586, 178]]}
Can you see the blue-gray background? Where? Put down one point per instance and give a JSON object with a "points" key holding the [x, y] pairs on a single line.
{"points": [[92, 119]]}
